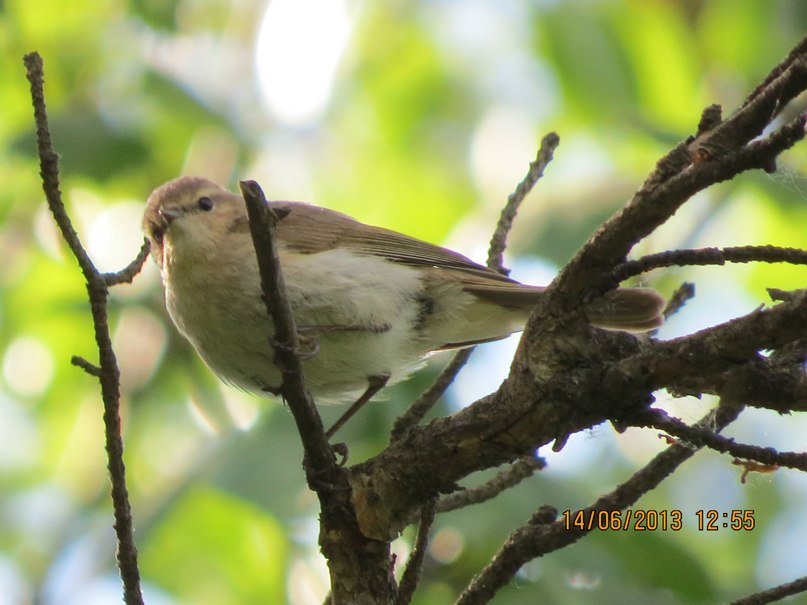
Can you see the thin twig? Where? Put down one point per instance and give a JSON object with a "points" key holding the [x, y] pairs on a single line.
{"points": [[510, 477], [796, 54], [684, 293], [538, 537], [588, 274], [774, 594], [107, 371], [359, 566], [87, 366], [498, 242], [710, 256], [421, 406], [780, 295], [700, 436], [759, 109], [49, 164], [263, 222], [411, 575], [128, 273]]}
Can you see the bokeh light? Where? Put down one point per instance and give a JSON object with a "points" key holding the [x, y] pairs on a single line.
{"points": [[297, 54]]}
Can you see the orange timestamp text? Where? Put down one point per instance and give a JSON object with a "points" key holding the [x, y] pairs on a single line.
{"points": [[656, 520], [623, 520]]}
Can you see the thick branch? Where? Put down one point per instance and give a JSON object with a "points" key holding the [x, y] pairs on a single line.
{"points": [[567, 376], [573, 384], [713, 351]]}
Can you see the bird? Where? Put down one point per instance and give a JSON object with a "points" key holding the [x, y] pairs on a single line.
{"points": [[371, 302]]}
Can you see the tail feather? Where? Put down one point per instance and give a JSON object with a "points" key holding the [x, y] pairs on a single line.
{"points": [[629, 309]]}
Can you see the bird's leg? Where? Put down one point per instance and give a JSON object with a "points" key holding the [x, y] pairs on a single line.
{"points": [[374, 384]]}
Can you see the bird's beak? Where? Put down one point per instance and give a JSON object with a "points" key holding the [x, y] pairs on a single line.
{"points": [[169, 214]]}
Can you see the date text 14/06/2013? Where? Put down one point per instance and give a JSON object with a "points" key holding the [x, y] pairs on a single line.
{"points": [[656, 520]]}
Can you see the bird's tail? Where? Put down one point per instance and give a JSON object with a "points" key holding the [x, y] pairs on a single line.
{"points": [[629, 309]]}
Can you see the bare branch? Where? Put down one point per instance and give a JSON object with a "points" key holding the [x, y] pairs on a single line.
{"points": [[684, 293], [700, 436], [774, 594], [263, 222], [796, 55], [421, 406], [498, 242], [49, 164], [411, 575], [710, 256], [358, 566], [541, 536], [510, 477], [675, 180], [107, 371], [713, 351], [90, 368], [776, 382], [128, 273]]}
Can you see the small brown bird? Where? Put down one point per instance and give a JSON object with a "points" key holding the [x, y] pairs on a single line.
{"points": [[374, 301]]}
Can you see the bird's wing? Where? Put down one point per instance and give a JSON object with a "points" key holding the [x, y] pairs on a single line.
{"points": [[310, 229]]}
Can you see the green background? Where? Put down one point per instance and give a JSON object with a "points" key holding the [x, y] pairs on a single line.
{"points": [[435, 109]]}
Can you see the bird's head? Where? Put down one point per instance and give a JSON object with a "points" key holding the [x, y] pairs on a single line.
{"points": [[190, 214]]}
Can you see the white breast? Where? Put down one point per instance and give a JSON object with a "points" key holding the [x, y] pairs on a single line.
{"points": [[358, 310]]}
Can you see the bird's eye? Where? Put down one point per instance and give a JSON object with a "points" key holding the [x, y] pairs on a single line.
{"points": [[205, 203], [157, 234]]}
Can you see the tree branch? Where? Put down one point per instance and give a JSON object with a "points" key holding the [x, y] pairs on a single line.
{"points": [[107, 371], [498, 242], [774, 594], [684, 293], [128, 273], [411, 575], [509, 477], [586, 275], [709, 256], [425, 402], [542, 535], [713, 351], [568, 376], [700, 436], [321, 467], [359, 567]]}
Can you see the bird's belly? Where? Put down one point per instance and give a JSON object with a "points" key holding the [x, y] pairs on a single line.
{"points": [[355, 316]]}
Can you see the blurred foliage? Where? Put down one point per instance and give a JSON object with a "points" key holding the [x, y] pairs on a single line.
{"points": [[435, 110]]}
